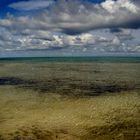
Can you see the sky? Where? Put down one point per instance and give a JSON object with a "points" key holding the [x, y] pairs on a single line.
{"points": [[69, 27]]}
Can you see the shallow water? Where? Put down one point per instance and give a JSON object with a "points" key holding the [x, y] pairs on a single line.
{"points": [[65, 100]]}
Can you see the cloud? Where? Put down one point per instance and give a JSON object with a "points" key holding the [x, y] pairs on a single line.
{"points": [[136, 49], [75, 17], [113, 6], [123, 34], [72, 25], [42, 40], [31, 5]]}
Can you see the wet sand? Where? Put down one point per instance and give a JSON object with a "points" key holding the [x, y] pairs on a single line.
{"points": [[66, 101]]}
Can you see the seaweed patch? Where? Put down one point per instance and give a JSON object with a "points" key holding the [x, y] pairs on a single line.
{"points": [[67, 86]]}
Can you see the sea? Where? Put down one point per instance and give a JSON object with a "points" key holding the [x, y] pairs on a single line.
{"points": [[100, 59]]}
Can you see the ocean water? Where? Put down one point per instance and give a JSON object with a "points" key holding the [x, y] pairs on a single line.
{"points": [[100, 59]]}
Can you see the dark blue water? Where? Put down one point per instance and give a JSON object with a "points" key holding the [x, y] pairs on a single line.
{"points": [[100, 59]]}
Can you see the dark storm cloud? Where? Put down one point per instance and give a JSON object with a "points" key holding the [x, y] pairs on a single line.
{"points": [[115, 30]]}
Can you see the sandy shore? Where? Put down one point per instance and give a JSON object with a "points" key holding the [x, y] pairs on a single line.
{"points": [[25, 115], [53, 102]]}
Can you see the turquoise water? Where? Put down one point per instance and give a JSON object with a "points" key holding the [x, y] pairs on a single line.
{"points": [[101, 59]]}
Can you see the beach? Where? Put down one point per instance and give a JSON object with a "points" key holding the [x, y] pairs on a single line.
{"points": [[42, 100]]}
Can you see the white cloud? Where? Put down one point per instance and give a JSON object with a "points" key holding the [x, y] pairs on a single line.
{"points": [[114, 6], [136, 49], [116, 41], [31, 5]]}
